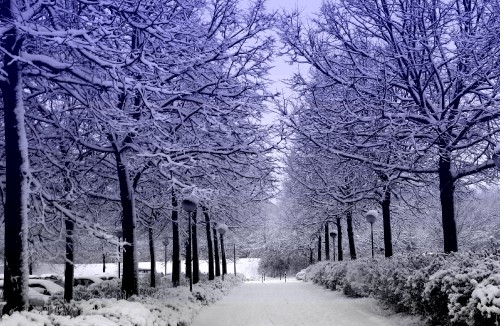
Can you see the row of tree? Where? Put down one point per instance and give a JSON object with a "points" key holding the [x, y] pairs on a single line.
{"points": [[114, 111], [398, 92]]}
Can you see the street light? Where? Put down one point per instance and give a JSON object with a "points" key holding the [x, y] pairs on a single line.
{"points": [[333, 235], [371, 217], [165, 243], [189, 205], [222, 229]]}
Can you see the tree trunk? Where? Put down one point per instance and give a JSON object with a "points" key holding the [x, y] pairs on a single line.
{"points": [[196, 261], [216, 252], [319, 247], [209, 245], [339, 240], [188, 258], [311, 256], [386, 217], [69, 270], [152, 256], [447, 189], [327, 242], [104, 263], [350, 234], [130, 284], [176, 250], [16, 168], [223, 254]]}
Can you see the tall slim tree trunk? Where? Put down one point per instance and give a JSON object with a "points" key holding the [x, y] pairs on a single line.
{"points": [[17, 166], [176, 250], [223, 254], [196, 261], [211, 274], [447, 190], [103, 262], [216, 252], [350, 234], [152, 256], [188, 259], [319, 247], [69, 271], [130, 285], [311, 256], [386, 217], [327, 242], [339, 240]]}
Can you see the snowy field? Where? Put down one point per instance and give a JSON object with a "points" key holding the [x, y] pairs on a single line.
{"points": [[295, 303], [245, 266]]}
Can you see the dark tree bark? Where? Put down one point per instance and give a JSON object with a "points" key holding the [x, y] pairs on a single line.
{"points": [[152, 256], [176, 250], [311, 256], [188, 259], [17, 167], [386, 218], [196, 261], [130, 285], [350, 234], [327, 242], [223, 254], [69, 270], [104, 263], [339, 240], [211, 274], [319, 247], [216, 252], [447, 190]]}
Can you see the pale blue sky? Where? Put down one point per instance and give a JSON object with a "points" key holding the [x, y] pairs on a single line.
{"points": [[282, 70]]}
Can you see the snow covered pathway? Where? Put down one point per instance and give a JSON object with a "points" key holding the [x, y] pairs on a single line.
{"points": [[293, 303]]}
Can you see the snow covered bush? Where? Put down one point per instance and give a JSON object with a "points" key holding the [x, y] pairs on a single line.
{"points": [[456, 289], [484, 304], [164, 305]]}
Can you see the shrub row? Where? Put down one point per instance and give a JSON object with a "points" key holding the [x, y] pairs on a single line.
{"points": [[103, 304], [456, 289]]}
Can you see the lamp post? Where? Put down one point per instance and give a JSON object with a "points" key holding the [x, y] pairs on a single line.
{"points": [[222, 229], [165, 243], [371, 217], [189, 205], [333, 235]]}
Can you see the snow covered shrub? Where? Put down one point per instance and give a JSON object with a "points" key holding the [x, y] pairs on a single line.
{"points": [[359, 279], [165, 306], [484, 304], [420, 268], [449, 289], [456, 289]]}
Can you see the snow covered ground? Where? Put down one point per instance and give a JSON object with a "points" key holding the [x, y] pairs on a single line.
{"points": [[295, 303], [163, 306]]}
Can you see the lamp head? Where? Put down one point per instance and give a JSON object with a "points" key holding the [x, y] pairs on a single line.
{"points": [[189, 204], [222, 228], [371, 216]]}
